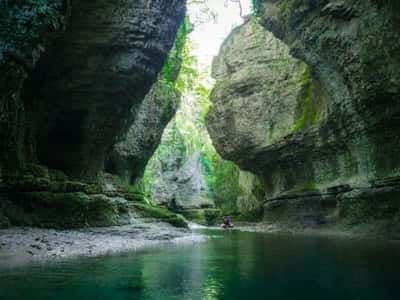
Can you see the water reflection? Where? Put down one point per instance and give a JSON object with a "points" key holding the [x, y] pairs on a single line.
{"points": [[232, 265]]}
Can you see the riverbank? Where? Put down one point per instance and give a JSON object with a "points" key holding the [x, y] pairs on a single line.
{"points": [[24, 245], [377, 231]]}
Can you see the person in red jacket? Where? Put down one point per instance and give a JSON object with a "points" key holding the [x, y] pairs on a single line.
{"points": [[227, 222]]}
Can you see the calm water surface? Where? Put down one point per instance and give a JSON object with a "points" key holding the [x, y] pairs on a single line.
{"points": [[231, 265]]}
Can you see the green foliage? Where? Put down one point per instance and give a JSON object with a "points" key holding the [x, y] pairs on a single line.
{"points": [[302, 121], [188, 74], [254, 7], [309, 114], [187, 135], [161, 214], [23, 23], [176, 57], [178, 73]]}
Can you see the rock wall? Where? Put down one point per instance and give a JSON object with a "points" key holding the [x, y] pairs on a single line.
{"points": [[130, 155], [25, 33], [331, 126], [98, 71], [74, 76], [182, 185], [187, 175]]}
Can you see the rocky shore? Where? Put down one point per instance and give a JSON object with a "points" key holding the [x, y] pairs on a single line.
{"points": [[25, 245]]}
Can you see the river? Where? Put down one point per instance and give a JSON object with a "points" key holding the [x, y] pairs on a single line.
{"points": [[229, 265]]}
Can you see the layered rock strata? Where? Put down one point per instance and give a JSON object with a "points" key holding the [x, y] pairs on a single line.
{"points": [[131, 153], [95, 76], [74, 81], [323, 131]]}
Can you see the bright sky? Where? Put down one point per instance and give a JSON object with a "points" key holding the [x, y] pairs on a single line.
{"points": [[207, 37]]}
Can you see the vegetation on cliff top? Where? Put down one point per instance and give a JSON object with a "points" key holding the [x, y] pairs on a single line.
{"points": [[187, 134], [24, 24]]}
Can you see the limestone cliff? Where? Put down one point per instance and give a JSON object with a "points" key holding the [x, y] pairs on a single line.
{"points": [[98, 71], [330, 121], [73, 78], [130, 155], [187, 175]]}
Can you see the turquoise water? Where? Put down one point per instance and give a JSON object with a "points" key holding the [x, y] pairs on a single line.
{"points": [[231, 265]]}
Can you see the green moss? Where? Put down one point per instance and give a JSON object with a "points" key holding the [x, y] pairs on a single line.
{"points": [[254, 7], [284, 8], [64, 210], [208, 216], [302, 121], [363, 206], [309, 115], [307, 186], [249, 216], [222, 179], [161, 214]]}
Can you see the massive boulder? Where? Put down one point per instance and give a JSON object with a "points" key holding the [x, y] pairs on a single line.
{"points": [[331, 127]]}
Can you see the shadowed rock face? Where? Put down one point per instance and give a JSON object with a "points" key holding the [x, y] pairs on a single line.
{"points": [[131, 153], [336, 145], [129, 157], [96, 74]]}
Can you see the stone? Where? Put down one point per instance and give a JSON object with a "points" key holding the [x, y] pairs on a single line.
{"points": [[130, 155], [334, 131], [107, 60], [160, 213], [338, 9], [207, 216]]}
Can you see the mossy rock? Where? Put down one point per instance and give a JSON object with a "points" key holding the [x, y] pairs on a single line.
{"points": [[161, 214], [30, 183], [361, 206], [93, 189], [56, 175], [207, 216], [68, 187], [134, 196], [4, 221], [64, 210], [38, 170], [255, 215]]}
